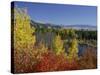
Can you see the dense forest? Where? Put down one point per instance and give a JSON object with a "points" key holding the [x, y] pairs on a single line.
{"points": [[41, 49]]}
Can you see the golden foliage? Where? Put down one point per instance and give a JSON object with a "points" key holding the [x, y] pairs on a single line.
{"points": [[22, 30], [58, 45]]}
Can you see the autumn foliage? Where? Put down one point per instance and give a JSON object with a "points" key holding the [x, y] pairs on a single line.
{"points": [[58, 45], [89, 59], [32, 57], [52, 62]]}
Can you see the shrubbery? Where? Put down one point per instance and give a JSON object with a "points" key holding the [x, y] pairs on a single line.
{"points": [[52, 62], [89, 59], [32, 57]]}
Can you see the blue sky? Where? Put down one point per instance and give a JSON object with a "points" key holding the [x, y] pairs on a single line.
{"points": [[61, 14]]}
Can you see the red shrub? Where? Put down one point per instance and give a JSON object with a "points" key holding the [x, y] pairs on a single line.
{"points": [[46, 63], [89, 59], [51, 62], [65, 64]]}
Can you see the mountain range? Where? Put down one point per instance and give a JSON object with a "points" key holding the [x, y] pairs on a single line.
{"points": [[77, 27]]}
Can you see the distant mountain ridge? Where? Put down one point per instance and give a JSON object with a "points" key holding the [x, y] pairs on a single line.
{"points": [[77, 27]]}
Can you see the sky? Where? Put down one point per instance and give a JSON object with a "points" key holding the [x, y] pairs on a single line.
{"points": [[60, 14]]}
